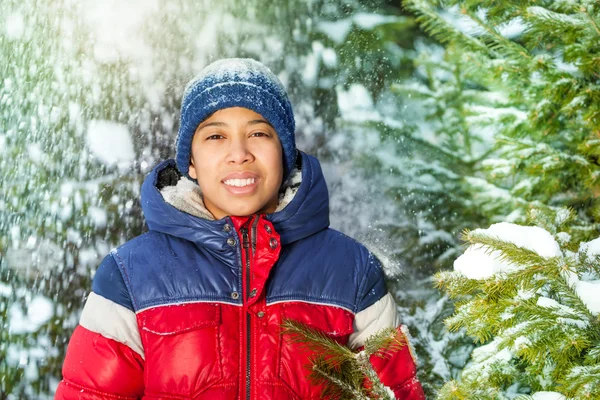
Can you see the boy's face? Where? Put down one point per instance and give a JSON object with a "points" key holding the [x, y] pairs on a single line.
{"points": [[237, 160]]}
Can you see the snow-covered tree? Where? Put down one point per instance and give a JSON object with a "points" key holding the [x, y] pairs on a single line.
{"points": [[433, 137], [59, 205], [435, 144], [529, 294], [542, 56], [530, 66]]}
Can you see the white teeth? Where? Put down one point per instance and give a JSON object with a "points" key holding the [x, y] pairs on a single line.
{"points": [[239, 182]]}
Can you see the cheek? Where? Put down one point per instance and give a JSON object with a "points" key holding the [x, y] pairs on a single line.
{"points": [[273, 160], [205, 172]]}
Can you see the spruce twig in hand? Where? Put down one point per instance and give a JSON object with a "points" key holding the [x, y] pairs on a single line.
{"points": [[341, 371]]}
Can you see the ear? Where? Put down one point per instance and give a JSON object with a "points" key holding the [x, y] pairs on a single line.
{"points": [[192, 170]]}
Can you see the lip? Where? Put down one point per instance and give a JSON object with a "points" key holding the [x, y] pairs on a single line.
{"points": [[235, 190], [240, 175]]}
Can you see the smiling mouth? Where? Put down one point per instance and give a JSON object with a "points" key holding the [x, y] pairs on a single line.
{"points": [[241, 187], [240, 182]]}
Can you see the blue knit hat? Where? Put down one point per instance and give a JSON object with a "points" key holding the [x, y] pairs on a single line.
{"points": [[236, 82]]}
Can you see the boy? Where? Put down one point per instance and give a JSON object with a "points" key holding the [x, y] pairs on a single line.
{"points": [[238, 241]]}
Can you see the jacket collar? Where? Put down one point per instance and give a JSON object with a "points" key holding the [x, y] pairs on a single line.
{"points": [[177, 208]]}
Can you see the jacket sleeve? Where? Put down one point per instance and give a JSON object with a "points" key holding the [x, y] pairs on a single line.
{"points": [[105, 357], [377, 311]]}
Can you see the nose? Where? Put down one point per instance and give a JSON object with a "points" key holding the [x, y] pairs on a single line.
{"points": [[239, 152]]}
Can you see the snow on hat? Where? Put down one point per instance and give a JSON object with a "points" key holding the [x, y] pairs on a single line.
{"points": [[236, 82]]}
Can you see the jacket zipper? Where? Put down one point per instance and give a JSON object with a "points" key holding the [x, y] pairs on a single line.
{"points": [[246, 245]]}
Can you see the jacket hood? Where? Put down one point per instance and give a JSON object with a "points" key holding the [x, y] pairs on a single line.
{"points": [[172, 204]]}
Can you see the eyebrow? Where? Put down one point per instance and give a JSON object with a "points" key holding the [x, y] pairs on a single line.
{"points": [[259, 121], [223, 124]]}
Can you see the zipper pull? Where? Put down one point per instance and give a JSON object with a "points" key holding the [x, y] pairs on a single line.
{"points": [[245, 242]]}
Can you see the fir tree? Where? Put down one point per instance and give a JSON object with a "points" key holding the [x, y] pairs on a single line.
{"points": [[542, 56], [430, 146], [436, 149], [546, 148], [529, 294]]}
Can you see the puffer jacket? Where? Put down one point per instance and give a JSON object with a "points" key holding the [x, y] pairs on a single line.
{"points": [[192, 308]]}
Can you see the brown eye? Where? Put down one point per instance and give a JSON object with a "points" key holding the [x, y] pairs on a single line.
{"points": [[214, 137], [260, 134]]}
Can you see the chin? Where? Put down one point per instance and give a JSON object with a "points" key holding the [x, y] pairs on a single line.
{"points": [[243, 211]]}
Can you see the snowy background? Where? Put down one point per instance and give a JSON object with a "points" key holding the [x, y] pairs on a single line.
{"points": [[406, 131], [89, 98]]}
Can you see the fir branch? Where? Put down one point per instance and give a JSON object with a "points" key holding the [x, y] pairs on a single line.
{"points": [[440, 29], [388, 131], [500, 195], [540, 16], [509, 252], [340, 389], [593, 356], [466, 390], [316, 341], [455, 284], [340, 370], [384, 343], [377, 388], [415, 90], [592, 20], [452, 390], [583, 382], [563, 339], [484, 156], [539, 152], [500, 43]]}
